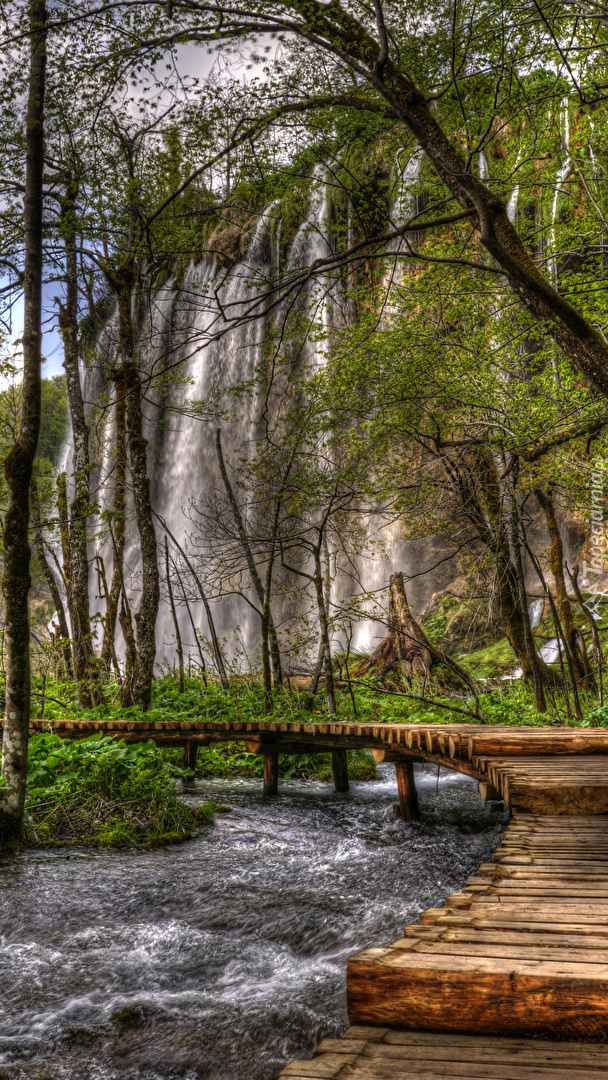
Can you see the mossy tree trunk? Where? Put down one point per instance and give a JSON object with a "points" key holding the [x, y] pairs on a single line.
{"points": [[574, 640], [20, 460], [64, 633], [476, 485], [117, 521], [85, 662], [138, 691]]}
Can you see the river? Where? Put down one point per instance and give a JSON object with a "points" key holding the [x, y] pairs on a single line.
{"points": [[221, 958]]}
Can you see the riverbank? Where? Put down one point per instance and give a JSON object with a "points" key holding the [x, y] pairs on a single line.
{"points": [[100, 793]]}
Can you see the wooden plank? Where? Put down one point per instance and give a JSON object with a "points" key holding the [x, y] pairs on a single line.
{"points": [[501, 950], [478, 996], [486, 1042], [558, 1056]]}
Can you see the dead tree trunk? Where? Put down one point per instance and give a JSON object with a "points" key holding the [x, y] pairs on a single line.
{"points": [[195, 634], [20, 460], [406, 648], [217, 652], [270, 640], [178, 636]]}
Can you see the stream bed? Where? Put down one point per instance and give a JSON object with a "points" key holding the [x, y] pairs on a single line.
{"points": [[222, 958]]}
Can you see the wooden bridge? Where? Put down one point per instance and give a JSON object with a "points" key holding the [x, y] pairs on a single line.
{"points": [[508, 981], [544, 770]]}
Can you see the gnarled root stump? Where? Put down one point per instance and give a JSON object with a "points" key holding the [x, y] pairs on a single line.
{"points": [[406, 648]]}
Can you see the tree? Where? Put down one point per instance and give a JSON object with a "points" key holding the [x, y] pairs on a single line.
{"points": [[381, 55], [20, 461]]}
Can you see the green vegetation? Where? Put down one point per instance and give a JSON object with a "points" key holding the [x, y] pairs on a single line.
{"points": [[229, 759], [371, 702], [102, 793]]}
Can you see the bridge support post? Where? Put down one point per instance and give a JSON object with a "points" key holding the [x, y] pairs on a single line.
{"points": [[189, 760], [339, 766], [489, 793], [408, 796], [271, 772]]}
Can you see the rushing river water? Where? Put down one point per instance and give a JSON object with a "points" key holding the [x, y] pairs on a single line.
{"points": [[222, 958]]}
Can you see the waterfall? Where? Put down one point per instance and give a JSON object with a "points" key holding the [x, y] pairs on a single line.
{"points": [[185, 471], [181, 338], [512, 205], [391, 552]]}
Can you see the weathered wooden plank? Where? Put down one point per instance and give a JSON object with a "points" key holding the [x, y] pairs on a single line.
{"points": [[478, 995]]}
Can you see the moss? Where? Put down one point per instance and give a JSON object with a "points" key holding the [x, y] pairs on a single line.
{"points": [[79, 1036], [229, 241], [128, 1017], [459, 624], [491, 661]]}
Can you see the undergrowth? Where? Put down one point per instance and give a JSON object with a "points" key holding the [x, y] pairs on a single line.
{"points": [[103, 793], [229, 759], [502, 702]]}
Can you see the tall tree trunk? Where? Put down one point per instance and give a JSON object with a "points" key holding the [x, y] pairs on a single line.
{"points": [[147, 612], [574, 640], [117, 525], [49, 577], [178, 636], [20, 460], [269, 634], [516, 558], [325, 639], [123, 280], [477, 487], [87, 668]]}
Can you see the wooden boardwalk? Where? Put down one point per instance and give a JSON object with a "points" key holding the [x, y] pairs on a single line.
{"points": [[547, 770], [383, 1054], [510, 979], [521, 951]]}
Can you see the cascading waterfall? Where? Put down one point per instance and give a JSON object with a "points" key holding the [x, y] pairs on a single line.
{"points": [[181, 329], [394, 553]]}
